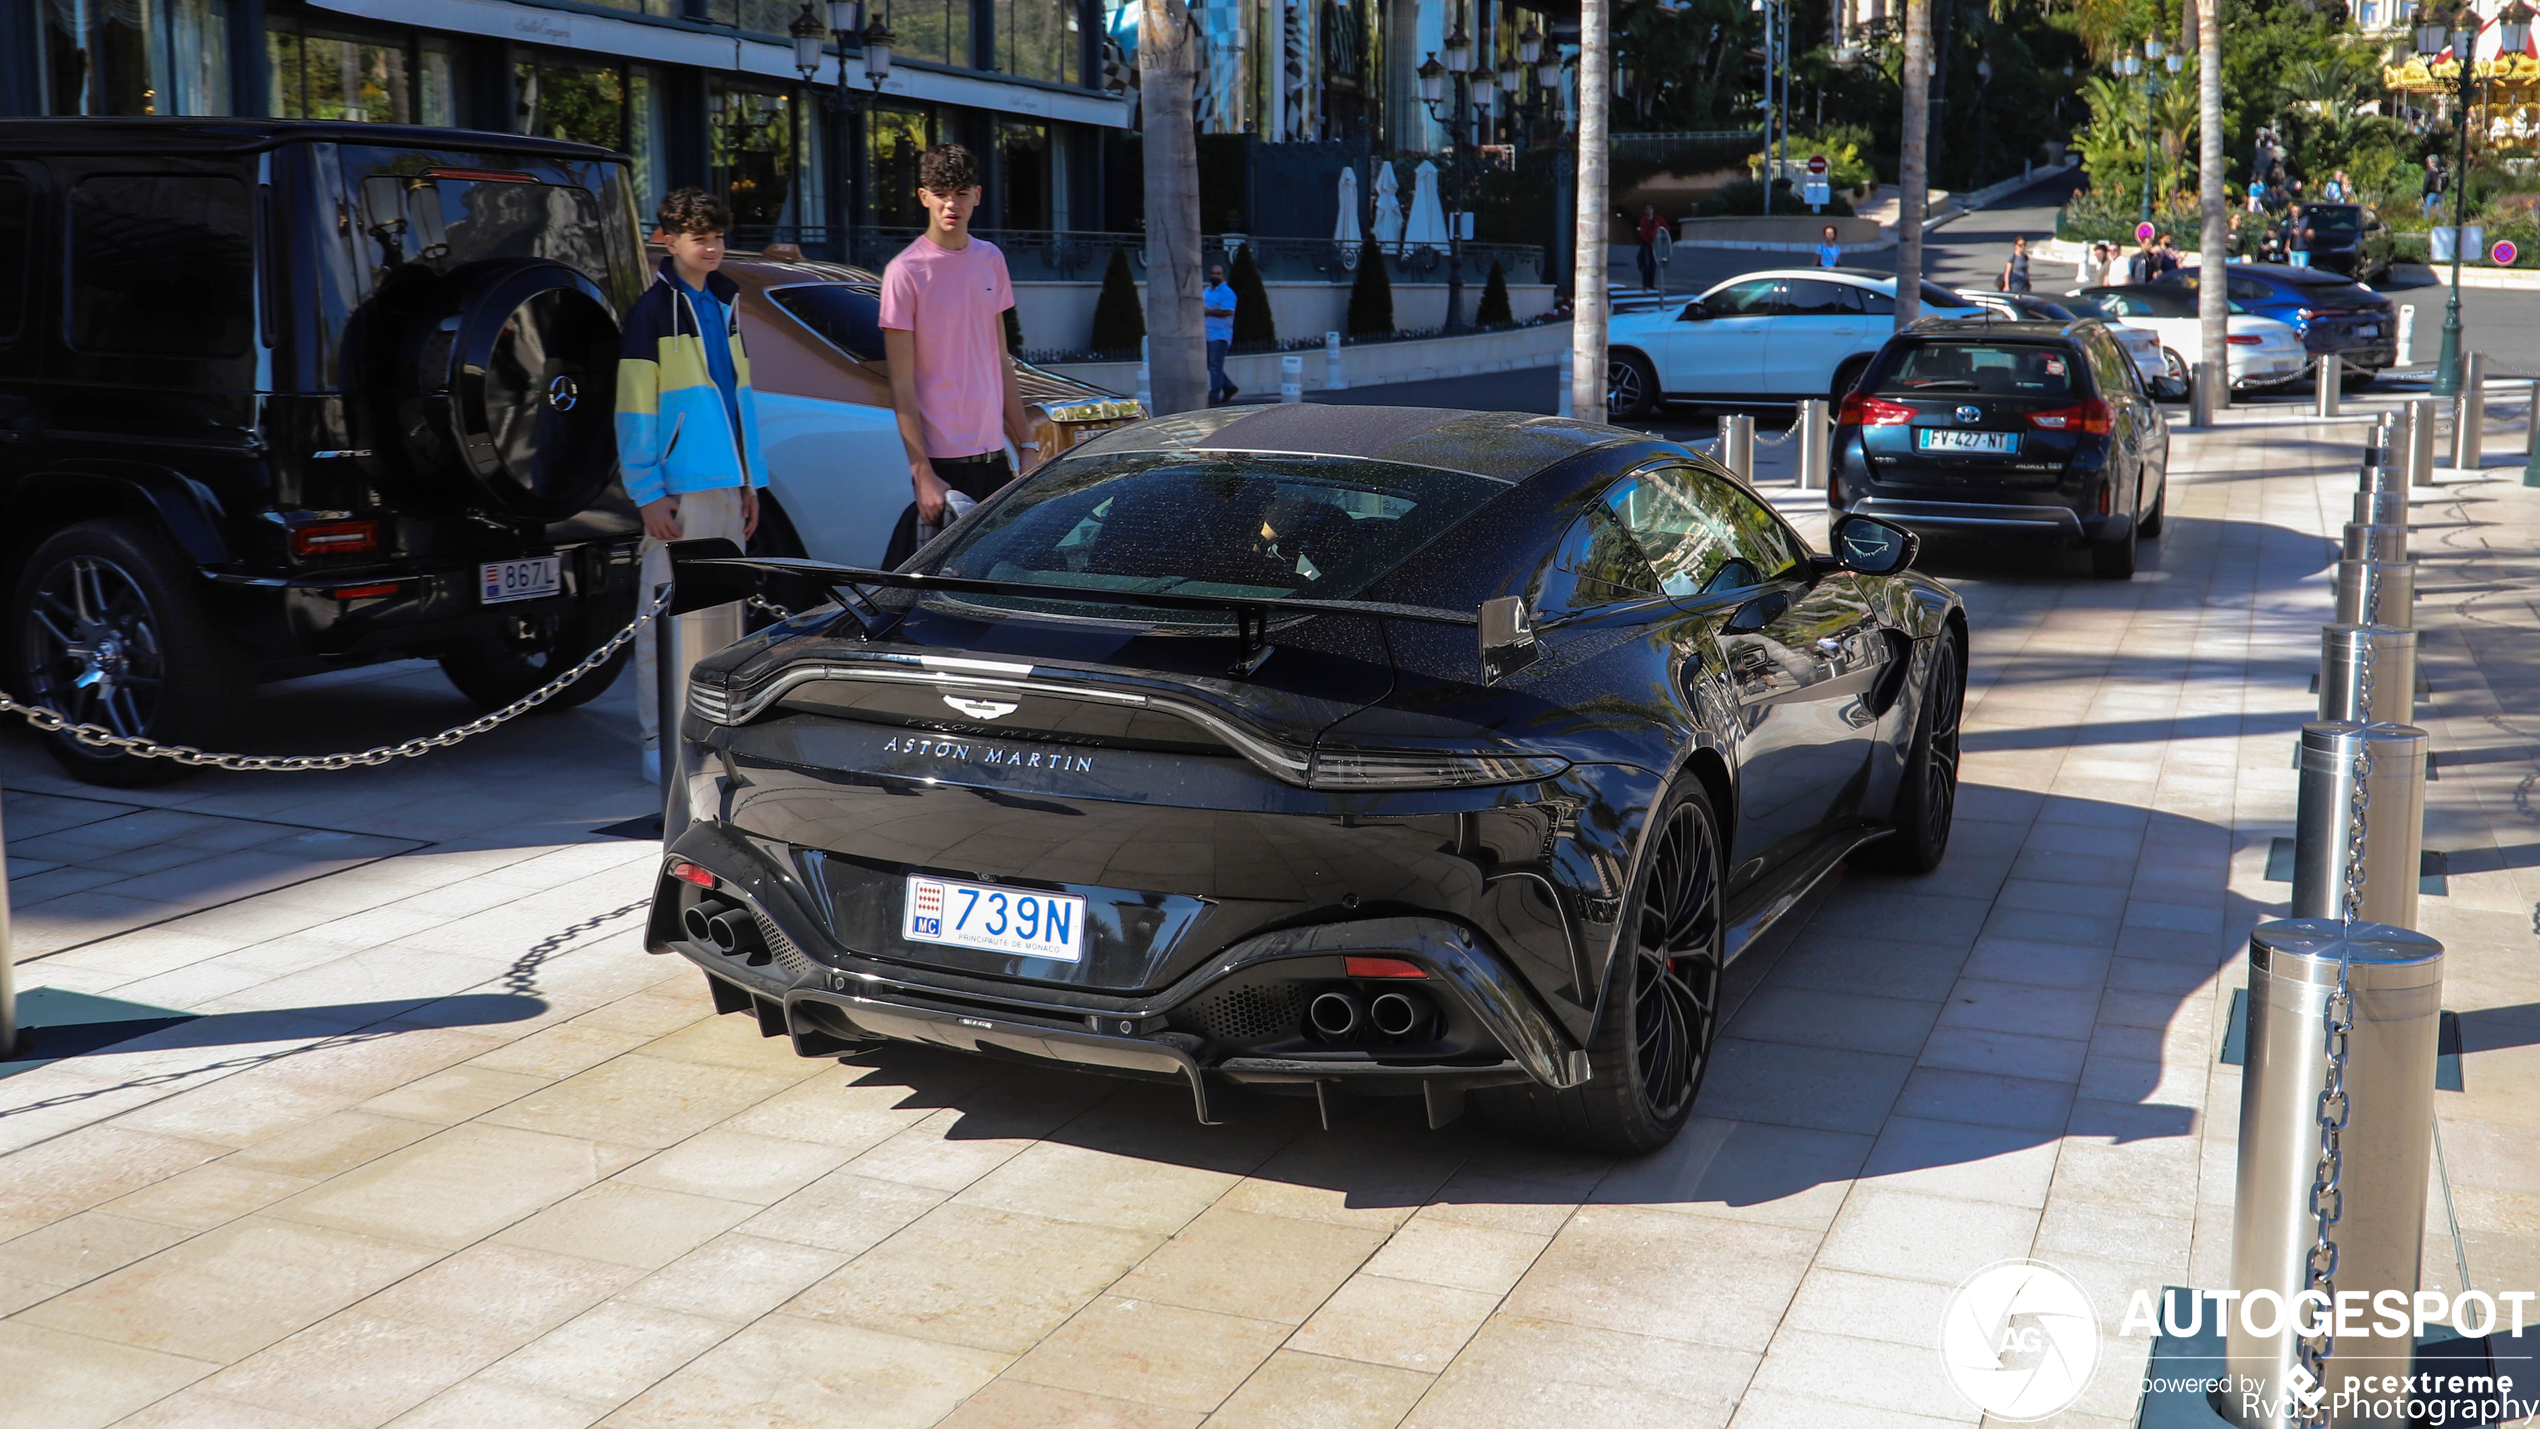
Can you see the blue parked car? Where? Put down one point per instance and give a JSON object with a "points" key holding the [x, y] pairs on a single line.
{"points": [[2333, 312]]}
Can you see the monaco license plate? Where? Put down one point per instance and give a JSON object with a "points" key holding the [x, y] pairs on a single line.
{"points": [[1950, 439], [521, 580], [1020, 922]]}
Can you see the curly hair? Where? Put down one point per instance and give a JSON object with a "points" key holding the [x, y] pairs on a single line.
{"points": [[693, 211], [947, 168]]}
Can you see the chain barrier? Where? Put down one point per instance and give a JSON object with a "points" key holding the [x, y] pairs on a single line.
{"points": [[97, 736], [1789, 433], [2337, 1023], [760, 602]]}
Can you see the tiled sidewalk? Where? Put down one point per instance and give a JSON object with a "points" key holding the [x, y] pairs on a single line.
{"points": [[445, 1148]]}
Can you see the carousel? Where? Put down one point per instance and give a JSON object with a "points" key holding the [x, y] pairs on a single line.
{"points": [[2504, 76]]}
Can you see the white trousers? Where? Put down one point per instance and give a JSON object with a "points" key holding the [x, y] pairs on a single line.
{"points": [[701, 514]]}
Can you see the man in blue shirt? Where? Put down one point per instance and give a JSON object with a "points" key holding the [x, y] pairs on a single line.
{"points": [[1829, 253], [1218, 310]]}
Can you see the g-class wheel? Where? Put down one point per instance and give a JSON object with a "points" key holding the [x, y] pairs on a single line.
{"points": [[1662, 1001], [525, 652], [104, 631]]}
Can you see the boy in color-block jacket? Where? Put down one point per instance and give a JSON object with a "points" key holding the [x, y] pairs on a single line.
{"points": [[687, 423]]}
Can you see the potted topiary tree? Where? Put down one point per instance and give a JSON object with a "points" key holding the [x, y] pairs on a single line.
{"points": [[1494, 310], [1254, 322], [1118, 320], [1371, 297]]}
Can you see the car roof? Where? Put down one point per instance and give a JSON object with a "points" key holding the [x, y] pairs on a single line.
{"points": [[160, 135], [1507, 446], [2026, 329]]}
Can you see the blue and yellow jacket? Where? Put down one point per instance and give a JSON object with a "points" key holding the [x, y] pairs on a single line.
{"points": [[674, 434]]}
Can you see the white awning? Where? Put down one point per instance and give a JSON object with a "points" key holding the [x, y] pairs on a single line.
{"points": [[664, 44]]}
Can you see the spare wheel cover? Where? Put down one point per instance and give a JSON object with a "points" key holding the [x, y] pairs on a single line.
{"points": [[534, 378]]}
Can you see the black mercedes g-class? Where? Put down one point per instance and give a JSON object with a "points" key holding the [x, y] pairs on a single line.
{"points": [[279, 397]]}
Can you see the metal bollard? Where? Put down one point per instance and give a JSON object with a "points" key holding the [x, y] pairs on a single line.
{"points": [[2393, 650], [2201, 397], [2395, 978], [1737, 445], [2377, 593], [8, 970], [1334, 379], [2469, 414], [2394, 826], [1563, 405], [2531, 444], [2365, 542], [1291, 378], [2407, 334], [1816, 439], [1146, 386], [684, 640], [2381, 508], [2376, 455], [2328, 378], [2423, 414]]}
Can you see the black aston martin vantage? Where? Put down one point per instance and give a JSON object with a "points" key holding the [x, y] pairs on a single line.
{"points": [[1325, 750]]}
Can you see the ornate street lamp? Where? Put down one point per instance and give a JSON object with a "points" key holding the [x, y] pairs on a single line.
{"points": [[1459, 48], [1432, 79], [877, 53], [810, 37], [1475, 88], [1529, 44], [2437, 32]]}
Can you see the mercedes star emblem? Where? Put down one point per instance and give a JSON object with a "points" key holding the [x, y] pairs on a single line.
{"points": [[562, 393]]}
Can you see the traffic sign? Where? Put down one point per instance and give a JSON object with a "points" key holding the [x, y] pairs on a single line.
{"points": [[1816, 163], [2143, 232], [2504, 253]]}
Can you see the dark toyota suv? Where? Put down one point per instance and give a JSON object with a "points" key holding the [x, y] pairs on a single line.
{"points": [[2032, 429], [280, 397]]}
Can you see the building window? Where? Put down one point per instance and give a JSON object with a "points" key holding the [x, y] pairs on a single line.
{"points": [[1023, 162], [1039, 39], [322, 75], [613, 106], [759, 17], [894, 138], [135, 56], [764, 149], [935, 30]]}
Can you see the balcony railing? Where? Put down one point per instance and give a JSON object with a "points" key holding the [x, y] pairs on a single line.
{"points": [[1075, 256]]}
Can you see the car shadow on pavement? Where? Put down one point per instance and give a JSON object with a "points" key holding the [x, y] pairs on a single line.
{"points": [[1934, 1032]]}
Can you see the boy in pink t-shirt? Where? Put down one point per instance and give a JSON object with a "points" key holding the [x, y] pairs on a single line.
{"points": [[943, 333]]}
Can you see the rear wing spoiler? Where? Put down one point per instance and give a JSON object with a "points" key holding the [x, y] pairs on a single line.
{"points": [[712, 571]]}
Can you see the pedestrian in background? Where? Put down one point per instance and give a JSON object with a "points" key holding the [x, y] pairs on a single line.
{"points": [[687, 422], [2145, 264], [2167, 256], [2436, 181], [2298, 237], [1650, 223], [2015, 268], [1217, 320], [1829, 252], [2340, 189], [943, 333]]}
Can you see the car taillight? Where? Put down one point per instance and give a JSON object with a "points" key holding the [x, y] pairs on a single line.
{"points": [[334, 538], [687, 872], [1860, 411], [2246, 339], [2306, 314], [2092, 416]]}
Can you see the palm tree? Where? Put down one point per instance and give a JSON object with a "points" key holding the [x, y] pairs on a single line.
{"points": [[1177, 358], [1914, 164], [1587, 281], [2213, 245]]}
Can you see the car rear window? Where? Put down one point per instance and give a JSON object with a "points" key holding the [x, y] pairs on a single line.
{"points": [[2333, 220], [1234, 525], [1997, 369], [848, 316]]}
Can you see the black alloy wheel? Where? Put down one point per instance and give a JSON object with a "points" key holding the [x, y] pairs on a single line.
{"points": [[107, 634], [1654, 1035], [1927, 795], [1631, 387]]}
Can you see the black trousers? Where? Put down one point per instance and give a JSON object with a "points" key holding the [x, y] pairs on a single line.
{"points": [[977, 477]]}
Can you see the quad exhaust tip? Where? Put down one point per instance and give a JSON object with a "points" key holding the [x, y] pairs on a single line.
{"points": [[1335, 1014], [1398, 1014]]}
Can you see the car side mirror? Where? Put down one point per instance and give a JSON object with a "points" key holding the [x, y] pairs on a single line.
{"points": [[1874, 547], [1507, 636], [1694, 312]]}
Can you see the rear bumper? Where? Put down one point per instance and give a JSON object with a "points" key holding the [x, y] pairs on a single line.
{"points": [[304, 614], [830, 999], [2040, 522]]}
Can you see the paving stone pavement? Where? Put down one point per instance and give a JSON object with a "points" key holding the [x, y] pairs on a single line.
{"points": [[444, 1147]]}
